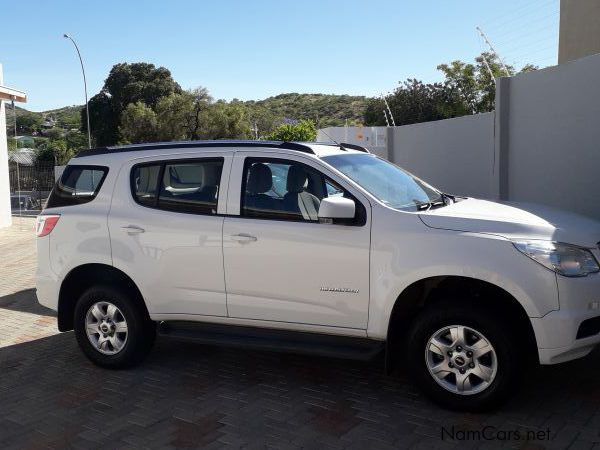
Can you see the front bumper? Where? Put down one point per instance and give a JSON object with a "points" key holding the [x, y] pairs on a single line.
{"points": [[556, 332]]}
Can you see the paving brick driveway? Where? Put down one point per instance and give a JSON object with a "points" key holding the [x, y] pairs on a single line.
{"points": [[189, 396]]}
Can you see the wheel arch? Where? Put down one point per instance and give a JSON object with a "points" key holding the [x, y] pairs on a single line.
{"points": [[428, 292], [81, 278]]}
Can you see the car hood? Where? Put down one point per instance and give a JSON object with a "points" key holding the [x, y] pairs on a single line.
{"points": [[515, 221]]}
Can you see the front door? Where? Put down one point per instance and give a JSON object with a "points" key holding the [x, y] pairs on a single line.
{"points": [[281, 263]]}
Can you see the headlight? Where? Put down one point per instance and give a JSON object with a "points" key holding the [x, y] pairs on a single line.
{"points": [[565, 259]]}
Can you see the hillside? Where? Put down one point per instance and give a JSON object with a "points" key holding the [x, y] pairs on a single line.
{"points": [[323, 109], [28, 122], [66, 117]]}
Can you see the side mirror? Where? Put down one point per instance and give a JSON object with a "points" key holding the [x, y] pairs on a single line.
{"points": [[337, 208]]}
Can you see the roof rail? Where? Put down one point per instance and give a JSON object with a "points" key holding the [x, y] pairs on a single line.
{"points": [[295, 146], [196, 144], [358, 148]]}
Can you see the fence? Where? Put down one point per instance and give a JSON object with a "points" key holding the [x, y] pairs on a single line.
{"points": [[30, 186]]}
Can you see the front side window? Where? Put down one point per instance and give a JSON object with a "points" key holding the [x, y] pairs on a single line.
{"points": [[385, 181], [77, 185], [179, 186], [285, 190]]}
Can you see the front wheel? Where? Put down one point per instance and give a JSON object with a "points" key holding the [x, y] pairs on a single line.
{"points": [[111, 328], [463, 357]]}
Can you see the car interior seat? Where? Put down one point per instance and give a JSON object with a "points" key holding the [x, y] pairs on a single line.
{"points": [[297, 199]]}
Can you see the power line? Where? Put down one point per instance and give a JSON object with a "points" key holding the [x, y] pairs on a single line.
{"points": [[519, 11], [520, 22]]}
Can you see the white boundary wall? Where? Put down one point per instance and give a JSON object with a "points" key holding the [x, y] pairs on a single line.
{"points": [[552, 151], [456, 155]]}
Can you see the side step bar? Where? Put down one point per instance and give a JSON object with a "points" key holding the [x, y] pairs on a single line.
{"points": [[273, 340]]}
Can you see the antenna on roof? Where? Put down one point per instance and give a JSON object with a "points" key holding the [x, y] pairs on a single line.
{"points": [[330, 138]]}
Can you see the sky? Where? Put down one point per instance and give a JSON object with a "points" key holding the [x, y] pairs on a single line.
{"points": [[253, 49]]}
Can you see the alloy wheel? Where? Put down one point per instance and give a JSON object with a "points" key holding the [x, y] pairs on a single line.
{"points": [[106, 328], [461, 359]]}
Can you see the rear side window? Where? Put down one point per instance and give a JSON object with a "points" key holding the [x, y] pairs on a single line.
{"points": [[189, 186], [77, 185]]}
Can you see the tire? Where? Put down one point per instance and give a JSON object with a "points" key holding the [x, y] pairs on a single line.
{"points": [[106, 308], [476, 376]]}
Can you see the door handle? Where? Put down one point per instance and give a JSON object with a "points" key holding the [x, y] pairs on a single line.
{"points": [[132, 229], [243, 237]]}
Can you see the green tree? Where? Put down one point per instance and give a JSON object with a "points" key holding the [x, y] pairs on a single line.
{"points": [[262, 120], [29, 122], [226, 121], [138, 124], [413, 102], [76, 141], [54, 133], [475, 83], [55, 150], [183, 115], [303, 131], [126, 84], [467, 89]]}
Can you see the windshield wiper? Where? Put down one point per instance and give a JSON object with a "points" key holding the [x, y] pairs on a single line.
{"points": [[424, 206], [441, 201], [444, 197]]}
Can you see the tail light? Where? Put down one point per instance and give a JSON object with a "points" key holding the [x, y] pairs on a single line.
{"points": [[45, 225]]}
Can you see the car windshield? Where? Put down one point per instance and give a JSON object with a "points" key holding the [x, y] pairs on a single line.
{"points": [[387, 182]]}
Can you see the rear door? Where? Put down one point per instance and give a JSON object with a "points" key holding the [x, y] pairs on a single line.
{"points": [[166, 231], [281, 263]]}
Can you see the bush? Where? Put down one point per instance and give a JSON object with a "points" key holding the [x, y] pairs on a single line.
{"points": [[303, 131]]}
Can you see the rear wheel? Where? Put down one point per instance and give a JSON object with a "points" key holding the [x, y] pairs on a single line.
{"points": [[464, 357], [111, 328]]}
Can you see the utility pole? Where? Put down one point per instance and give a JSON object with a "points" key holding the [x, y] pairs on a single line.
{"points": [[493, 50], [389, 111]]}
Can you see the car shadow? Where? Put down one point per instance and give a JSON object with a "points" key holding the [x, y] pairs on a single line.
{"points": [[25, 301], [190, 395]]}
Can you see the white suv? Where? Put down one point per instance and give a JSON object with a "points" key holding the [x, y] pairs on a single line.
{"points": [[314, 248]]}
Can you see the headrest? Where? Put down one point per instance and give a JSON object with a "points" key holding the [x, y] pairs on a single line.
{"points": [[260, 179], [296, 179]]}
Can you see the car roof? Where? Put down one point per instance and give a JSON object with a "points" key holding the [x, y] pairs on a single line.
{"points": [[124, 152]]}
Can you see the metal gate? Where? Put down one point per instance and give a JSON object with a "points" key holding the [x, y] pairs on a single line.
{"points": [[30, 185]]}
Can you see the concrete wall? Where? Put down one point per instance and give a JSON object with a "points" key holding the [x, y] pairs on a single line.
{"points": [[5, 217], [579, 29], [455, 155], [553, 144]]}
